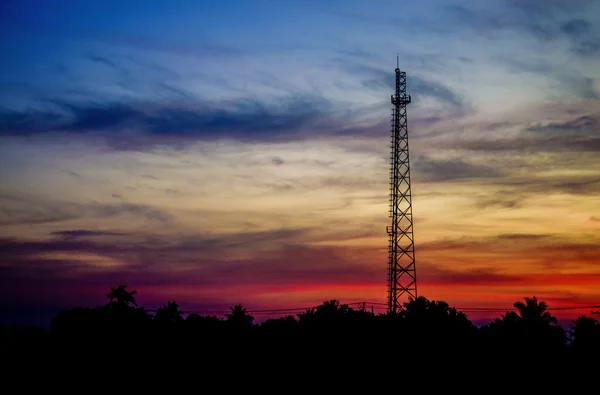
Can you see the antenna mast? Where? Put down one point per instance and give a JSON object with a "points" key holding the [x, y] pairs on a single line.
{"points": [[402, 275]]}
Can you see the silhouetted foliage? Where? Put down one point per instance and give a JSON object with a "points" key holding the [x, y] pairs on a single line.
{"points": [[284, 326], [585, 335], [329, 333], [169, 314], [532, 330], [238, 320], [436, 323], [120, 297]]}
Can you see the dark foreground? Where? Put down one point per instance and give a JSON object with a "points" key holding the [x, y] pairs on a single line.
{"points": [[428, 345]]}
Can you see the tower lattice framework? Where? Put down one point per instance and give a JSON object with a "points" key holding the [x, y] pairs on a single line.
{"points": [[402, 274]]}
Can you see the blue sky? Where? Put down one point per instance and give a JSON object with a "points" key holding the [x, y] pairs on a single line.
{"points": [[163, 142]]}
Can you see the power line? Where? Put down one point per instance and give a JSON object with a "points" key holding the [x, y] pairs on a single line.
{"points": [[379, 306], [493, 309]]}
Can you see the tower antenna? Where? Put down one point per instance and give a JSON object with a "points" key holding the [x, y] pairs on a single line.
{"points": [[402, 274]]}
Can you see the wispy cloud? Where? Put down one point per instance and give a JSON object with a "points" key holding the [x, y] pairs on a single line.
{"points": [[77, 233], [202, 259], [545, 21], [198, 47], [244, 119], [31, 210], [438, 170], [381, 80]]}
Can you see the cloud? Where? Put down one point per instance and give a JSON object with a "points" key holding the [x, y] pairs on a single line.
{"points": [[178, 251], [537, 145], [25, 210], [548, 7], [432, 275], [583, 123], [198, 47], [437, 91], [526, 260], [99, 117], [25, 122], [439, 170], [252, 258], [576, 27], [504, 200], [104, 61], [245, 120], [277, 161], [526, 65], [457, 16], [514, 191], [576, 83], [576, 132], [273, 278], [587, 48], [522, 236], [379, 79], [491, 277], [533, 252], [132, 123], [582, 86], [77, 233], [547, 21], [569, 184]]}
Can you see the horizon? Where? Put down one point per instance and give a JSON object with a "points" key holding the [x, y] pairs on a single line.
{"points": [[215, 153], [486, 316]]}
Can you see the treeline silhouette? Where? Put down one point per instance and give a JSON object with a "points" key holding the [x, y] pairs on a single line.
{"points": [[331, 332]]}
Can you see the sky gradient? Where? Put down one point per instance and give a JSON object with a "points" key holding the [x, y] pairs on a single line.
{"points": [[214, 152]]}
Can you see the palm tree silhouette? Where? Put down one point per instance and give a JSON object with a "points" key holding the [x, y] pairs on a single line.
{"points": [[534, 312], [239, 317], [537, 326], [121, 297]]}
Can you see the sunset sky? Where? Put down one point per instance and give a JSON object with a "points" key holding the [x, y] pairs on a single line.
{"points": [[222, 152]]}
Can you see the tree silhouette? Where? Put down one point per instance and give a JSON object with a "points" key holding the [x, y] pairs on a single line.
{"points": [[121, 297], [307, 315], [321, 333], [503, 333], [239, 319], [331, 309], [330, 317], [279, 326], [537, 328], [534, 313], [169, 313], [586, 334], [435, 323]]}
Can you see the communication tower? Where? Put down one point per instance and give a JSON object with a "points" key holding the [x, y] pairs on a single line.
{"points": [[402, 274]]}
